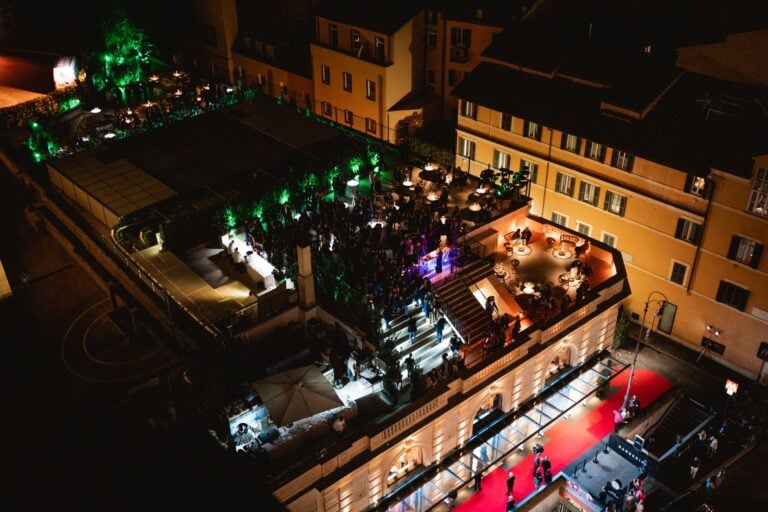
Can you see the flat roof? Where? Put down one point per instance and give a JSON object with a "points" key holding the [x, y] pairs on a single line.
{"points": [[698, 124]]}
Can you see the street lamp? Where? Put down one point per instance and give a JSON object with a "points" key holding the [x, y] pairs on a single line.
{"points": [[662, 302]]}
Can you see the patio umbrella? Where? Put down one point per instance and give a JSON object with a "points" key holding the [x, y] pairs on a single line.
{"points": [[297, 394]]}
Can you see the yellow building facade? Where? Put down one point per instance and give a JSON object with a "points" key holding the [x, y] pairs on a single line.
{"points": [[697, 240]]}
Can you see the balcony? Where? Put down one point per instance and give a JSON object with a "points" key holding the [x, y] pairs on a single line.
{"points": [[459, 53]]}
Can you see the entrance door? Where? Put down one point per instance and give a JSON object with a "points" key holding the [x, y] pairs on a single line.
{"points": [[668, 318]]}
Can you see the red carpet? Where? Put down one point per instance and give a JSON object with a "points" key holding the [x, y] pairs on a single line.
{"points": [[568, 441]]}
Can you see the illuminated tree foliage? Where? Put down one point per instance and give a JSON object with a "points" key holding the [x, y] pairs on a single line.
{"points": [[126, 54]]}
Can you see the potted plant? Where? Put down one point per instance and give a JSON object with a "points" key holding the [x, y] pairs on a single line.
{"points": [[621, 330]]}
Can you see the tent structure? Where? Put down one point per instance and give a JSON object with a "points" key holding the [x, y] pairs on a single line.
{"points": [[297, 394]]}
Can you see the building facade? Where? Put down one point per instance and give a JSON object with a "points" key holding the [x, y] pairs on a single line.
{"points": [[672, 173]]}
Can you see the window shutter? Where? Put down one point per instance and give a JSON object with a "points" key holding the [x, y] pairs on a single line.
{"points": [[582, 186], [525, 128], [734, 248], [722, 291], [614, 155], [602, 153], [680, 227], [607, 201], [689, 182], [697, 234], [630, 162], [563, 139], [756, 256], [578, 145], [742, 296], [623, 205]]}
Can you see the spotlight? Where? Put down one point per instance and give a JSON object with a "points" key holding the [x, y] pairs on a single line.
{"points": [[717, 332], [709, 328]]}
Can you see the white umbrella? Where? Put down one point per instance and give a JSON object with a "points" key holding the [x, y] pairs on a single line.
{"points": [[297, 394]]}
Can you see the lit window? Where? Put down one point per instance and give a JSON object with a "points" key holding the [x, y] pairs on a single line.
{"points": [[500, 159], [347, 81], [758, 197], [370, 125], [745, 251], [325, 74], [571, 143], [531, 168], [622, 160], [532, 130], [327, 108], [589, 193], [468, 109], [688, 231], [564, 184], [370, 90], [595, 151], [698, 185], [615, 203], [349, 117], [467, 148], [355, 39]]}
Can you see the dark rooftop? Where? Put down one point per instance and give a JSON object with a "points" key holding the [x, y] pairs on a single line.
{"points": [[495, 13], [383, 17], [260, 140], [698, 124]]}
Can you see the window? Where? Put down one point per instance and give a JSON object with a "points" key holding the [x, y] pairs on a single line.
{"points": [[327, 108], [584, 229], [745, 251], [506, 122], [355, 39], [570, 143], [559, 218], [500, 159], [370, 125], [589, 193], [531, 168], [333, 36], [622, 160], [431, 80], [732, 295], [349, 117], [677, 275], [347, 79], [564, 184], [615, 203], [759, 195], [467, 148], [468, 109], [595, 151], [431, 39], [453, 78], [696, 185], [609, 239], [370, 90], [432, 17], [688, 230], [461, 37], [325, 74], [532, 130], [379, 48]]}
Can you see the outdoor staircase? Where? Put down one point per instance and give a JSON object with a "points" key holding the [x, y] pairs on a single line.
{"points": [[683, 417], [461, 307]]}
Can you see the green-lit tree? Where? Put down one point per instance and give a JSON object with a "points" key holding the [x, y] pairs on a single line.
{"points": [[125, 57]]}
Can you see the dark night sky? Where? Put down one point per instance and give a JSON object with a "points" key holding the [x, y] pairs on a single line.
{"points": [[69, 27]]}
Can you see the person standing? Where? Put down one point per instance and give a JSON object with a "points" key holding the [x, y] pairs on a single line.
{"points": [[478, 481], [439, 330], [511, 504], [709, 486], [536, 463], [618, 420], [713, 443], [411, 329], [510, 483], [546, 465], [695, 463], [537, 479]]}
